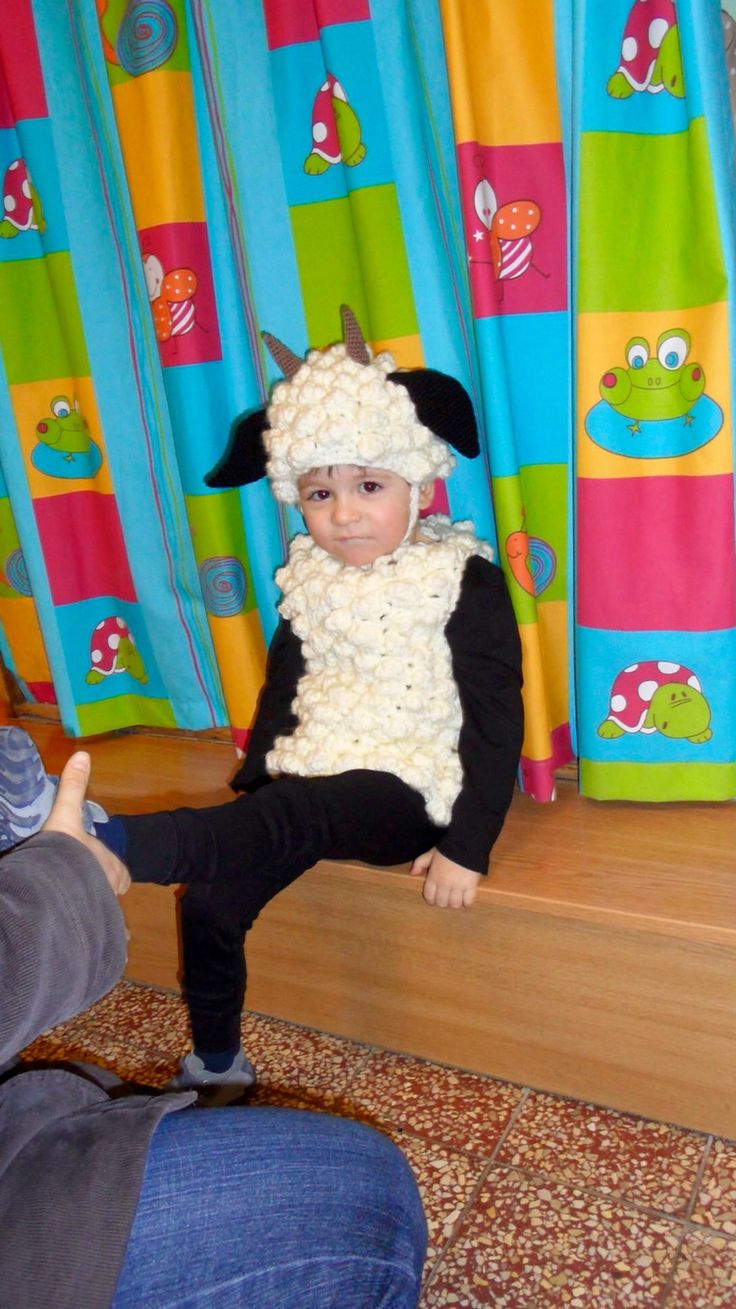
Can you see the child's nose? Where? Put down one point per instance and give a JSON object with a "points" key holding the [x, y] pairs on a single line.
{"points": [[345, 510]]}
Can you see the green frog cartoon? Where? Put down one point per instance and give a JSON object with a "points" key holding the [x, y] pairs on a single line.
{"points": [[64, 428], [65, 448], [656, 387]]}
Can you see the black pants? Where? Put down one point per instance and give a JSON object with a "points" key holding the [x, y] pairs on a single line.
{"points": [[238, 856]]}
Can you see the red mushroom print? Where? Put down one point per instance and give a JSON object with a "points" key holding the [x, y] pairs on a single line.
{"points": [[650, 52], [113, 650], [657, 695], [335, 130], [21, 205]]}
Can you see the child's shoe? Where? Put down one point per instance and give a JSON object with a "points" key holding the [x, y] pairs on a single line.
{"points": [[215, 1089], [27, 792]]}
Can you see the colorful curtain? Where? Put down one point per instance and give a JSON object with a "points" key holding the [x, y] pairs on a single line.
{"points": [[182, 174], [655, 653]]}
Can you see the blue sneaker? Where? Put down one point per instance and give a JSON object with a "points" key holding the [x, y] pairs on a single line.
{"points": [[27, 792]]}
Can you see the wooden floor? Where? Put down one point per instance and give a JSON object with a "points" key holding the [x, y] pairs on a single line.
{"points": [[598, 962]]}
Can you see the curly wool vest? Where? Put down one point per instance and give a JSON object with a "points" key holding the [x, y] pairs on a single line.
{"points": [[378, 690]]}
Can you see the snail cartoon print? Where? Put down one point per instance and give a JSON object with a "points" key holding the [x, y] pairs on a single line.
{"points": [[532, 561], [655, 407]]}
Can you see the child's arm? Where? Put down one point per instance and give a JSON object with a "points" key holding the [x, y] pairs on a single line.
{"points": [[486, 664], [447, 885], [274, 716]]}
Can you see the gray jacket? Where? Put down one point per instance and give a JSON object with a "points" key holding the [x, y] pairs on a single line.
{"points": [[71, 1159]]}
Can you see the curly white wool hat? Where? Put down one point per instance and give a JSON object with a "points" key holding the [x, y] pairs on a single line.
{"points": [[337, 411], [345, 405]]}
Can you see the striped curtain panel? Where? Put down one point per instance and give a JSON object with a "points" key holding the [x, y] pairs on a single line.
{"points": [[521, 196]]}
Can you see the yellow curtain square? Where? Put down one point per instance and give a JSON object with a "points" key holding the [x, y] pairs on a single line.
{"points": [[241, 658], [406, 350], [503, 85], [158, 138], [544, 652], [46, 466], [602, 342]]}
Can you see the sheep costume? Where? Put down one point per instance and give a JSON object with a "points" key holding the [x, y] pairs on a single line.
{"points": [[377, 689]]}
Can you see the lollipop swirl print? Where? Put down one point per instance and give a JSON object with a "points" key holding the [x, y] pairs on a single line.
{"points": [[146, 37], [224, 587]]}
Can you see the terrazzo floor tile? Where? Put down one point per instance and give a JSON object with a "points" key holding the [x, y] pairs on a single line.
{"points": [[531, 1246], [136, 1032], [298, 1059], [716, 1203], [130, 1015], [461, 1110], [648, 1164], [706, 1273], [521, 1241], [446, 1182]]}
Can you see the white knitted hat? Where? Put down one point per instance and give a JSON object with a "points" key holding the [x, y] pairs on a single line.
{"points": [[345, 405], [337, 411]]}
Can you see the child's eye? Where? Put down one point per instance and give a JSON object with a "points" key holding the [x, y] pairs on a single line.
{"points": [[319, 493], [370, 487]]}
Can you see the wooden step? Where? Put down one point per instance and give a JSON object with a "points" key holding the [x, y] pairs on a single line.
{"points": [[599, 960]]}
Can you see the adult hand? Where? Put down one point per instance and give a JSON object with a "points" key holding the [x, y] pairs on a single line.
{"points": [[66, 816]]}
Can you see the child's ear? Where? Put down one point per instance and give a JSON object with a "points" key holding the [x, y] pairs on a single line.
{"points": [[426, 495]]}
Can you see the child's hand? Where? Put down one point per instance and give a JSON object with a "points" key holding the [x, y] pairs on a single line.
{"points": [[447, 884]]}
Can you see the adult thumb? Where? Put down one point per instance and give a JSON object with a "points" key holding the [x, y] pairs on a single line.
{"points": [[72, 789]]}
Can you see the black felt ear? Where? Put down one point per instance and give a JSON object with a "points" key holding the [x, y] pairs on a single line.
{"points": [[442, 405], [244, 460]]}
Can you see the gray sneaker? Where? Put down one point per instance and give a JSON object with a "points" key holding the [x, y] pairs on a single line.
{"points": [[27, 792], [215, 1089]]}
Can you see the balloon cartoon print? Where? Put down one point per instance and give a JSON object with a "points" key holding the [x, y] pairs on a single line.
{"points": [[113, 650], [655, 407], [172, 298], [658, 696], [21, 204], [336, 133], [650, 52], [65, 448], [146, 37], [507, 242]]}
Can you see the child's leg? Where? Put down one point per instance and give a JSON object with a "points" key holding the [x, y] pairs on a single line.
{"points": [[242, 854]]}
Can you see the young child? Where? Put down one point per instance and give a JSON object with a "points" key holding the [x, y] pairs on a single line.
{"points": [[389, 727]]}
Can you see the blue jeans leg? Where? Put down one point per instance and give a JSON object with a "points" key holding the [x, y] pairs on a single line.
{"points": [[274, 1209]]}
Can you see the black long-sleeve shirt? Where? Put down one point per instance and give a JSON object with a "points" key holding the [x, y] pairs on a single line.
{"points": [[486, 663]]}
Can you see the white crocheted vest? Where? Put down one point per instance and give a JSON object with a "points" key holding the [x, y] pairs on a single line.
{"points": [[378, 691]]}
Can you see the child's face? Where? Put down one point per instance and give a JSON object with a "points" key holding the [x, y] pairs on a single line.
{"points": [[357, 514]]}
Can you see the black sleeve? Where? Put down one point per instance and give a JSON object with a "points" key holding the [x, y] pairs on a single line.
{"points": [[62, 936], [274, 715], [486, 664]]}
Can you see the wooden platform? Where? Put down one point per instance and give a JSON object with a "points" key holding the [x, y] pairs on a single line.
{"points": [[599, 961]]}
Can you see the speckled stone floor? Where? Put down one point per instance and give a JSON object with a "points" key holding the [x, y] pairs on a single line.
{"points": [[532, 1201]]}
